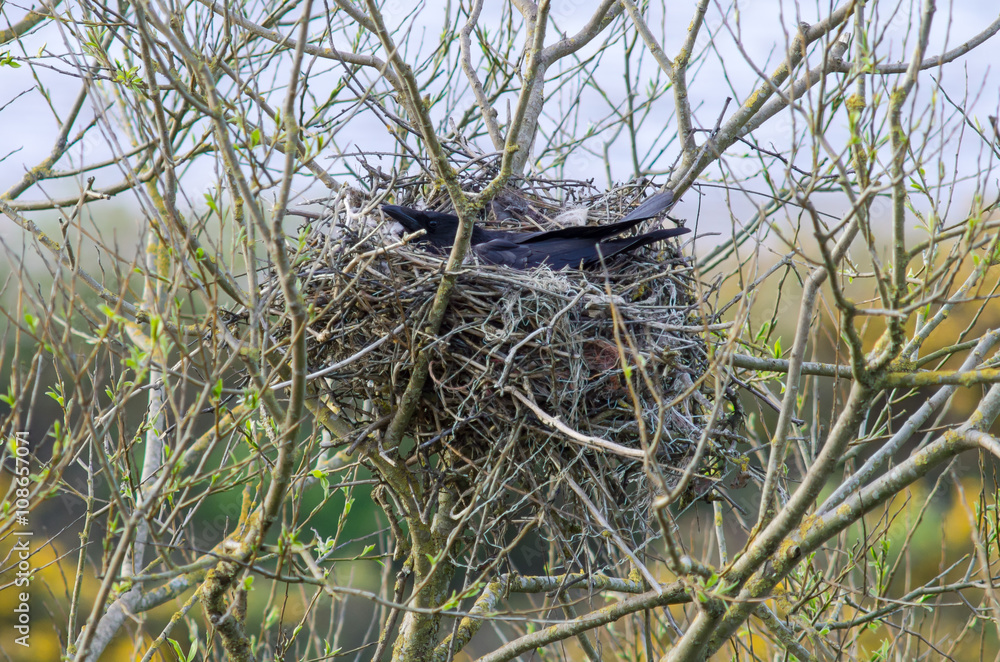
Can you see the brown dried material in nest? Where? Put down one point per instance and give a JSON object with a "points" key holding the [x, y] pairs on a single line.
{"points": [[536, 376]]}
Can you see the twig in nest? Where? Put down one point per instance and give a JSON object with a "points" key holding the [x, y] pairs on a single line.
{"points": [[590, 442]]}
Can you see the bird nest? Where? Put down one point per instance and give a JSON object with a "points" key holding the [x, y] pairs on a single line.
{"points": [[546, 390]]}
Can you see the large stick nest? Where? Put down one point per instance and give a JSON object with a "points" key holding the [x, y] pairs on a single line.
{"points": [[545, 387]]}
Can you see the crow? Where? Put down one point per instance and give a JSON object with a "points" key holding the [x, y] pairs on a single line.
{"points": [[572, 247]]}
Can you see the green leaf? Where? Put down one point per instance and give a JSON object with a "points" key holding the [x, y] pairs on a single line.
{"points": [[177, 649], [7, 60]]}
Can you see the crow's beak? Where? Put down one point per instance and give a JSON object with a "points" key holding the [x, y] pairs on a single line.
{"points": [[399, 214]]}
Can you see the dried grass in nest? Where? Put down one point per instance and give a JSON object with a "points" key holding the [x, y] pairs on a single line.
{"points": [[528, 403]]}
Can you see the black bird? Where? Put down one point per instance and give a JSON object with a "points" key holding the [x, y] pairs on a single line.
{"points": [[578, 246]]}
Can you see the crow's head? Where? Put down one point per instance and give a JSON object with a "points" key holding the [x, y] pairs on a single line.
{"points": [[440, 228]]}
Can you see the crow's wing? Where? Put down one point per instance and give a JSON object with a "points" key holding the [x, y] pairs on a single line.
{"points": [[561, 253], [609, 249], [592, 233], [650, 207], [556, 253], [503, 252]]}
